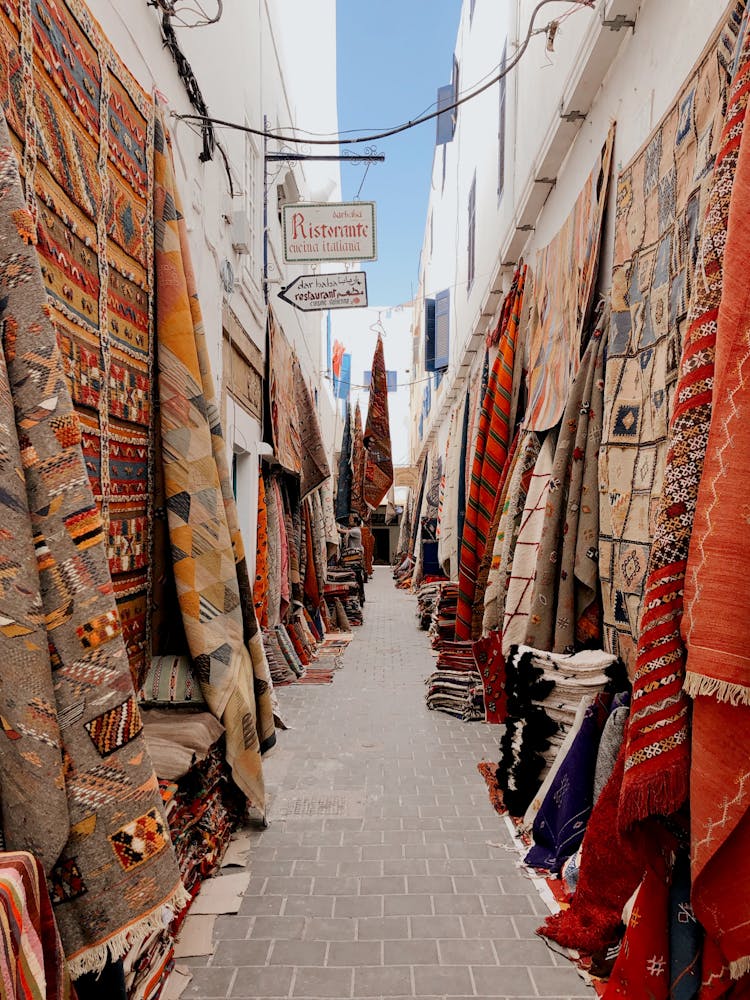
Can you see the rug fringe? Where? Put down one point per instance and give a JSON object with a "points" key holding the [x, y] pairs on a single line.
{"points": [[116, 947], [661, 795], [740, 967], [711, 687]]}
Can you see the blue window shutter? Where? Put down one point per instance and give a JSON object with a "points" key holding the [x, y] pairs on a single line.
{"points": [[345, 381], [367, 379], [392, 378], [429, 335], [438, 378], [428, 396], [421, 426], [445, 120], [442, 330]]}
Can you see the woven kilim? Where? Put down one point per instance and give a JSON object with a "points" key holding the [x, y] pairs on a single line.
{"points": [[485, 563], [344, 484], [32, 961], [524, 548], [315, 468], [493, 438], [282, 399], [357, 502], [567, 570], [260, 587], [661, 203], [83, 131], [75, 776], [379, 462], [210, 570], [448, 517], [513, 502], [564, 277], [657, 764], [715, 626]]}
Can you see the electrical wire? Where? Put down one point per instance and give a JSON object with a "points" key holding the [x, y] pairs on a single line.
{"points": [[175, 10], [405, 126]]}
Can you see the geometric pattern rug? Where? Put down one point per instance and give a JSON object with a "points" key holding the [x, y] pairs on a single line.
{"points": [[84, 137]]}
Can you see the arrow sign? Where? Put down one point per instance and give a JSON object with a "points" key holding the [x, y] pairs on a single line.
{"points": [[343, 290]]}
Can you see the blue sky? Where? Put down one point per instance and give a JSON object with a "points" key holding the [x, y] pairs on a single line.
{"points": [[392, 57]]}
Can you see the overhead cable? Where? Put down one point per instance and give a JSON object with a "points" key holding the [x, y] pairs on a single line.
{"points": [[405, 126]]}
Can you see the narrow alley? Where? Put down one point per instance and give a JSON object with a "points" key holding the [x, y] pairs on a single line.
{"points": [[384, 872]]}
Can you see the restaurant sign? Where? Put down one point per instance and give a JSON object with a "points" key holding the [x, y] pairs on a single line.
{"points": [[344, 290], [323, 231]]}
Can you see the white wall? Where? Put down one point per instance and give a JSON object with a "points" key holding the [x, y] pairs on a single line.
{"points": [[628, 76]]}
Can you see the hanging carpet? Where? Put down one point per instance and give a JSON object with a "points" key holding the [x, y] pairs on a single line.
{"points": [[315, 469], [567, 570], [657, 765], [485, 563], [379, 461], [661, 203], [77, 786], [357, 502], [344, 488], [520, 584], [564, 278], [715, 626], [283, 423], [513, 504], [260, 587], [494, 436], [83, 129], [210, 571], [448, 535]]}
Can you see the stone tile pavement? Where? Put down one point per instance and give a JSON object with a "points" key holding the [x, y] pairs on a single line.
{"points": [[378, 875]]}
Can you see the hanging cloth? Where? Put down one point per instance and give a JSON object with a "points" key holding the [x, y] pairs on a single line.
{"points": [[657, 766], [208, 559], [357, 502], [344, 489], [315, 469], [495, 423], [77, 787], [379, 464]]}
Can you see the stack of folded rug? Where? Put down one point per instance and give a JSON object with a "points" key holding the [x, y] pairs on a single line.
{"points": [[444, 620], [544, 691], [456, 687], [427, 598]]}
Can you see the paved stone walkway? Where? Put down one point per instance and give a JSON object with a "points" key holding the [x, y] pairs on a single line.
{"points": [[375, 877]]}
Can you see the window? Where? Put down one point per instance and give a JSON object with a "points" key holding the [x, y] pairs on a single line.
{"points": [[446, 120], [437, 332], [501, 126], [471, 245], [390, 376], [429, 335], [442, 330]]}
